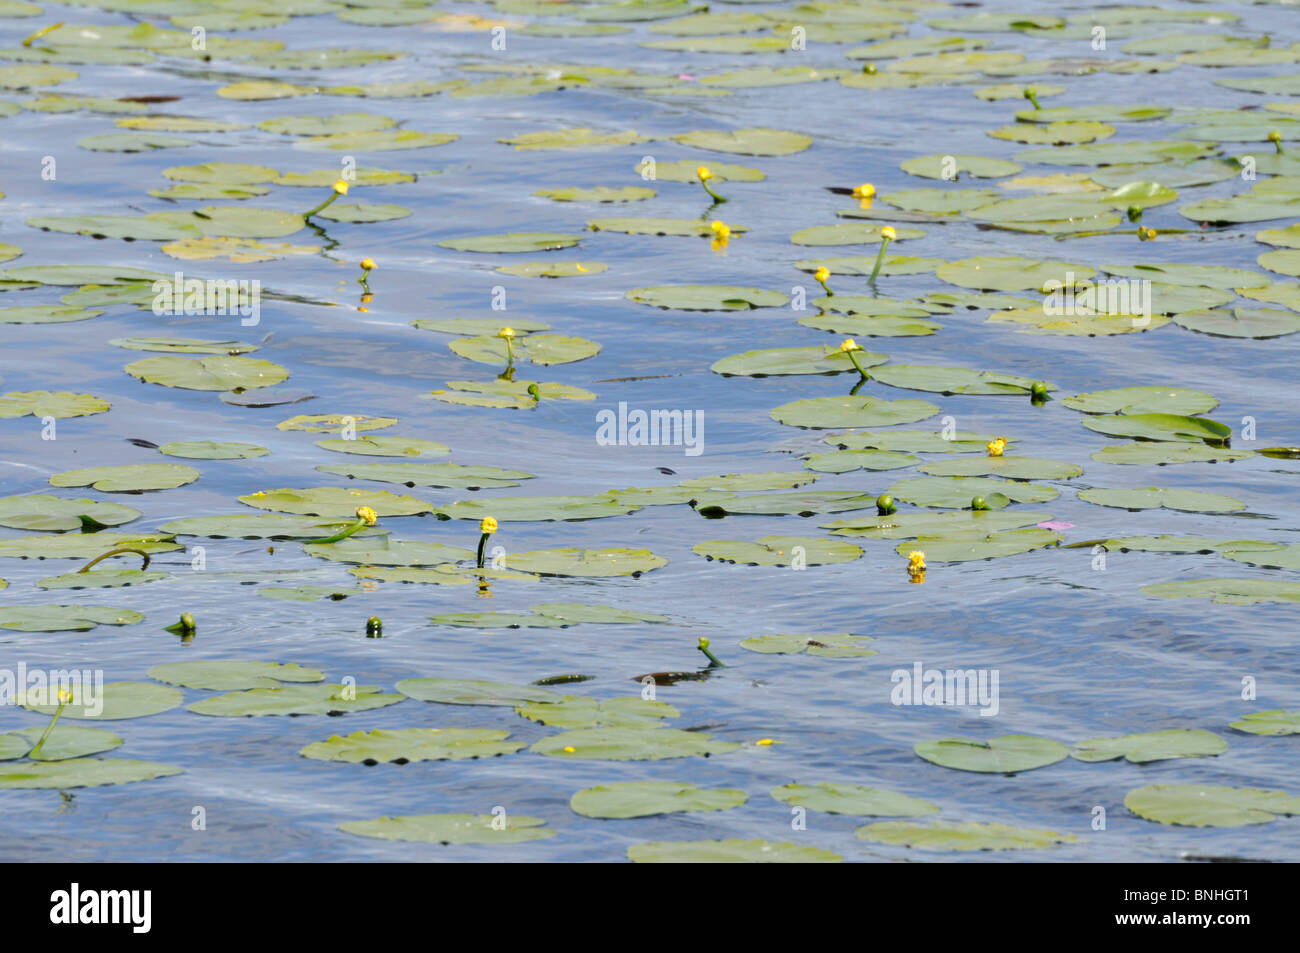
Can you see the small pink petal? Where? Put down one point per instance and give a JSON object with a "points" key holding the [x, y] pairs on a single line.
{"points": [[1055, 524], [685, 76]]}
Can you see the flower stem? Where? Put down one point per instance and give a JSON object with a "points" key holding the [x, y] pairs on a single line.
{"points": [[48, 728], [880, 260], [117, 552], [853, 356], [322, 206], [342, 534], [482, 544]]}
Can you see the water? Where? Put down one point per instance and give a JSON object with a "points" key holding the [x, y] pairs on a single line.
{"points": [[1081, 653]]}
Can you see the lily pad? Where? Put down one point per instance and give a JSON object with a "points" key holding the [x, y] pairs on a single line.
{"points": [[336, 501], [82, 773], [530, 508], [581, 711], [63, 743], [648, 798], [1161, 427], [117, 701], [1009, 467], [631, 744], [1008, 754], [43, 403], [846, 461], [128, 479], [1148, 498], [82, 545], [1162, 452], [1009, 273], [839, 645], [1148, 746], [264, 526], [513, 242], [793, 360], [851, 411], [853, 799], [1240, 322], [958, 491], [732, 851], [41, 511], [296, 700], [976, 524], [1193, 805], [212, 450], [707, 297], [778, 551], [1231, 592], [970, 835], [404, 745], [227, 676], [541, 349], [453, 691], [596, 563], [453, 828], [208, 373], [1276, 722], [938, 167], [747, 142], [952, 380]]}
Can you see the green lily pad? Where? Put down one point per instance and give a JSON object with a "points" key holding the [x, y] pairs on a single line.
{"points": [[916, 441], [559, 269], [306, 593], [967, 548], [513, 242], [326, 125], [64, 742], [476, 327], [227, 676], [853, 799], [648, 798], [453, 828], [1193, 805], [386, 446], [850, 234], [838, 645], [1008, 754], [1282, 557], [383, 140], [132, 142], [793, 360], [541, 349], [574, 612], [128, 479], [45, 314], [41, 511], [1115, 153], [1240, 322], [335, 423], [362, 212], [778, 551], [685, 170], [1288, 237], [1161, 427], [530, 508], [517, 393], [1188, 544], [865, 325], [1012, 468], [1188, 501], [747, 142], [212, 450], [454, 691], [631, 744], [958, 491], [599, 193], [1230, 592], [1276, 722], [382, 551], [1054, 133], [82, 545], [336, 501], [100, 579], [969, 835], [1148, 746], [412, 744], [296, 700], [498, 620], [117, 701], [83, 773], [264, 526], [1143, 400], [640, 225], [43, 403], [851, 411], [1247, 207], [183, 345], [732, 851], [208, 373], [579, 138], [707, 297], [586, 562], [1162, 452], [846, 461], [1009, 273], [429, 474], [976, 524], [953, 380], [581, 711]]}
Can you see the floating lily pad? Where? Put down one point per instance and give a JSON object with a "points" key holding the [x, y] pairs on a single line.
{"points": [[794, 360], [581, 711], [336, 501], [1192, 805], [707, 297], [264, 526], [296, 700], [1161, 427], [1281, 557], [574, 612], [748, 142], [838, 645], [529, 508], [980, 167], [335, 423], [631, 744], [846, 461], [1009, 273], [208, 373], [1006, 755], [586, 562], [1148, 746], [952, 380], [917, 441], [453, 828], [1163, 452], [1232, 592], [958, 491], [45, 314], [971, 835], [43, 403], [967, 548], [686, 170], [580, 138], [227, 676], [41, 511], [1240, 322], [648, 798], [1148, 498], [803, 503], [498, 620], [381, 551], [1009, 467], [453, 691], [115, 702], [429, 474], [183, 345], [729, 852], [412, 744], [599, 193], [101, 579], [976, 524], [82, 773], [63, 743], [361, 212], [82, 545], [128, 479], [212, 450], [778, 551], [853, 799], [386, 446], [559, 269], [514, 242], [541, 349], [850, 411], [1276, 722]]}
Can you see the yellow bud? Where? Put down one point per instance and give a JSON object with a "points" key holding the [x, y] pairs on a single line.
{"points": [[764, 742], [368, 263], [367, 514], [821, 274], [704, 173], [848, 344], [489, 525], [703, 643], [569, 749], [996, 446], [721, 229], [65, 696], [341, 187], [864, 191], [915, 561], [888, 232], [506, 333]]}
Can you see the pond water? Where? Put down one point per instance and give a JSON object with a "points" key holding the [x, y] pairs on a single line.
{"points": [[1080, 650]]}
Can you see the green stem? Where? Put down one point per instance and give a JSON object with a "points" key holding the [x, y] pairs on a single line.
{"points": [[717, 199], [117, 552], [48, 728], [322, 206], [343, 534], [482, 543], [880, 259], [1033, 98], [827, 289], [713, 659], [853, 356]]}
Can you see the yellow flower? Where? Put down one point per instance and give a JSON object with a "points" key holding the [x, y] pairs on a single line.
{"points": [[703, 642], [996, 446], [506, 333], [821, 274], [721, 229], [704, 173], [367, 514], [341, 187], [915, 562], [569, 749], [368, 263], [1151, 234], [489, 525], [65, 696], [888, 232], [764, 742], [864, 191], [848, 344]]}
